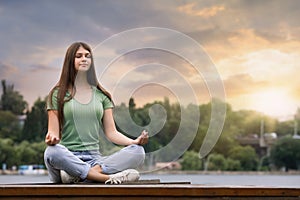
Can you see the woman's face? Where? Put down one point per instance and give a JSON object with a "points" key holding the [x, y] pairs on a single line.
{"points": [[82, 59]]}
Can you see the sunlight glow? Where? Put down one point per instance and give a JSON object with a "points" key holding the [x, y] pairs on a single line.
{"points": [[275, 103]]}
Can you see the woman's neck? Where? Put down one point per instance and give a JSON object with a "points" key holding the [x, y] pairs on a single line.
{"points": [[81, 80], [83, 90]]}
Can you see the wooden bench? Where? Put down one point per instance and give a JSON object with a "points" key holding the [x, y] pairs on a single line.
{"points": [[153, 189]]}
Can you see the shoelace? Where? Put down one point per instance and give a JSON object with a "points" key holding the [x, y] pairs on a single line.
{"points": [[117, 180]]}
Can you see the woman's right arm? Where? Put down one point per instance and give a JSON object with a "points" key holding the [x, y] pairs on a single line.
{"points": [[52, 136]]}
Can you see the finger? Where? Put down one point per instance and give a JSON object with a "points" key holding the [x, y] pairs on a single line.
{"points": [[144, 140], [144, 132], [48, 142], [55, 140], [141, 142], [47, 138], [145, 137], [52, 139]]}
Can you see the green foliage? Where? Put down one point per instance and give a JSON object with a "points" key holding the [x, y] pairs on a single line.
{"points": [[21, 144], [24, 153], [191, 161], [25, 144], [205, 113], [9, 125], [216, 162], [7, 152], [285, 128], [286, 153], [265, 164], [35, 126], [30, 153], [233, 165], [11, 100], [246, 155]]}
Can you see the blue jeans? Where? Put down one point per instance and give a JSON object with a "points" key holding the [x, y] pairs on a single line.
{"points": [[78, 164]]}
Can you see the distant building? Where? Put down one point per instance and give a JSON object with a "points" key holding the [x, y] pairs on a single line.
{"points": [[262, 144]]}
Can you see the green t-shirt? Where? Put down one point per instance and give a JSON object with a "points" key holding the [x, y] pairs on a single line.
{"points": [[82, 122]]}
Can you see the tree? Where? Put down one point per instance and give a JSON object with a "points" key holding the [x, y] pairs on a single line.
{"points": [[131, 104], [30, 153], [216, 162], [11, 100], [205, 114], [233, 165], [286, 153], [285, 128], [246, 155], [9, 126], [191, 161], [35, 126], [7, 152]]}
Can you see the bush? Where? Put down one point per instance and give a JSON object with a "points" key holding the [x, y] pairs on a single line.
{"points": [[216, 162], [233, 165], [7, 152], [191, 161], [246, 155], [286, 153]]}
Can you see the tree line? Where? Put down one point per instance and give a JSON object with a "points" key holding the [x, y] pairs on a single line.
{"points": [[22, 138]]}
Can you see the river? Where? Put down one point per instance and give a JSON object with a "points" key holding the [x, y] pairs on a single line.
{"points": [[203, 179]]}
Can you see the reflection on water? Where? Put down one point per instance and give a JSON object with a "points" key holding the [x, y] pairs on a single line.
{"points": [[208, 180]]}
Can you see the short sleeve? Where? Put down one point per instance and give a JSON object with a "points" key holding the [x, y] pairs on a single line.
{"points": [[107, 103], [52, 101]]}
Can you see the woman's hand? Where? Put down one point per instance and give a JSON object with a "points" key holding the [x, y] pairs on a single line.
{"points": [[51, 139], [142, 139], [52, 136]]}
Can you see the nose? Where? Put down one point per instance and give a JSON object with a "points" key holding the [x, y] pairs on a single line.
{"points": [[84, 58]]}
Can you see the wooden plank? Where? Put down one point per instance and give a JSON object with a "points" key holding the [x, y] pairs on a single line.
{"points": [[156, 190]]}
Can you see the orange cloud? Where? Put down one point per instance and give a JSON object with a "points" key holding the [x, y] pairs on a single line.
{"points": [[7, 70], [242, 84], [190, 9]]}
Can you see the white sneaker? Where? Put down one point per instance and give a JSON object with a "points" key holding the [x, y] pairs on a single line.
{"points": [[67, 178], [128, 175]]}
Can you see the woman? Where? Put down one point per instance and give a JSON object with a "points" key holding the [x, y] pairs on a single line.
{"points": [[77, 108]]}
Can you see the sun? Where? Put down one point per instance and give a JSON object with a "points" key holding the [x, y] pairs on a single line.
{"points": [[274, 102]]}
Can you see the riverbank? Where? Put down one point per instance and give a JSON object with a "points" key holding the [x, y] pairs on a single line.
{"points": [[8, 172]]}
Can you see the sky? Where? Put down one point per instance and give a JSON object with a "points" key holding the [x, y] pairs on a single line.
{"points": [[253, 47]]}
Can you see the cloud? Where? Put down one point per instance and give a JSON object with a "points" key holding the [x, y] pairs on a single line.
{"points": [[241, 84], [7, 70], [43, 68], [190, 9], [160, 69], [249, 41]]}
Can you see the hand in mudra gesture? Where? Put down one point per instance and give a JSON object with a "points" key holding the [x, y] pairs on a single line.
{"points": [[142, 139]]}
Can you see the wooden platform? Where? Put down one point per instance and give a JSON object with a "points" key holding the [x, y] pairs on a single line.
{"points": [[145, 191]]}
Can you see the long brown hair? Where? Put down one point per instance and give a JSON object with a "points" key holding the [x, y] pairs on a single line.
{"points": [[67, 80]]}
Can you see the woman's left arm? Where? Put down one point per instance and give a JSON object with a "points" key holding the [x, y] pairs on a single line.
{"points": [[115, 136]]}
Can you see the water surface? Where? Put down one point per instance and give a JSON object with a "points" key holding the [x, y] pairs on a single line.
{"points": [[207, 180]]}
